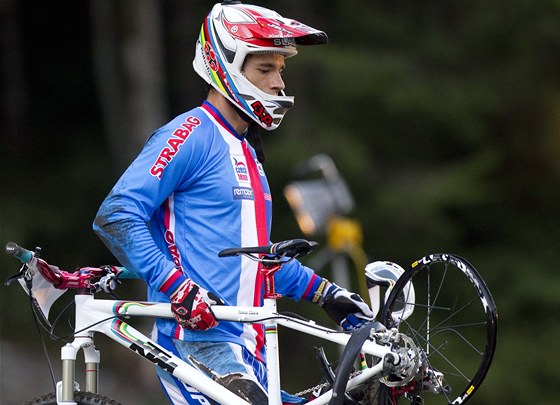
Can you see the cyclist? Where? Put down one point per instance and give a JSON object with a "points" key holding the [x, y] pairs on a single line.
{"points": [[201, 188]]}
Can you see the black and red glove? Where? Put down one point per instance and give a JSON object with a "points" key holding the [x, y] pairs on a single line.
{"points": [[190, 305], [344, 307]]}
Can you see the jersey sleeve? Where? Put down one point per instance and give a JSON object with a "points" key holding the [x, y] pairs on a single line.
{"points": [[168, 161], [297, 281]]}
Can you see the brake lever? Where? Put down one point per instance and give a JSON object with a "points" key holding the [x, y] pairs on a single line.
{"points": [[109, 282], [21, 274]]}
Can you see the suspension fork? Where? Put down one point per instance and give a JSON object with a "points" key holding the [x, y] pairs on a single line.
{"points": [[82, 340], [92, 358]]}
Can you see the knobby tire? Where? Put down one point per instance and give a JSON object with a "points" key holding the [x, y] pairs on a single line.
{"points": [[80, 397]]}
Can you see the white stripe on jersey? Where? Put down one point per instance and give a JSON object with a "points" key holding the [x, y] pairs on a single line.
{"points": [[249, 268]]}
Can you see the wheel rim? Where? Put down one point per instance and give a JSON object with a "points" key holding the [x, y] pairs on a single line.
{"points": [[454, 322]]}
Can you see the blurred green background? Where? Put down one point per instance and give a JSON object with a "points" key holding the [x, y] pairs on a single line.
{"points": [[442, 116]]}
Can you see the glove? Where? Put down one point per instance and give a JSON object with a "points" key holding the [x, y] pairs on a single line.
{"points": [[346, 308], [190, 305]]}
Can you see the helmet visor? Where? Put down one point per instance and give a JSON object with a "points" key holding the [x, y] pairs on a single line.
{"points": [[263, 27]]}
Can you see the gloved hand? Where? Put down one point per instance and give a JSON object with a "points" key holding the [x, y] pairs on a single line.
{"points": [[346, 308], [190, 305]]}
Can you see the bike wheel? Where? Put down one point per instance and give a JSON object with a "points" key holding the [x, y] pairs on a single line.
{"points": [[454, 324], [80, 397]]}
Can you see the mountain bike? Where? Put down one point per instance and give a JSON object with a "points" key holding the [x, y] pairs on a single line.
{"points": [[433, 340]]}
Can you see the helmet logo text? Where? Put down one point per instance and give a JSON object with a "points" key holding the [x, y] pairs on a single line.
{"points": [[261, 113], [284, 42], [210, 57]]}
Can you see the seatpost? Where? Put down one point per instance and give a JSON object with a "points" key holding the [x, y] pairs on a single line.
{"points": [[271, 332], [268, 271]]}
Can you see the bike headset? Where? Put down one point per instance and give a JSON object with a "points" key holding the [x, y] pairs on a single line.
{"points": [[386, 274], [229, 33]]}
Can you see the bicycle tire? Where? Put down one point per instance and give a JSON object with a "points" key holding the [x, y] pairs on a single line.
{"points": [[80, 397], [454, 323]]}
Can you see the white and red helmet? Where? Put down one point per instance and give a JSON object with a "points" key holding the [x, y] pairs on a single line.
{"points": [[229, 33], [384, 273]]}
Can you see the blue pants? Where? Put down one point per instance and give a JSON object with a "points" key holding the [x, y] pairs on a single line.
{"points": [[222, 358]]}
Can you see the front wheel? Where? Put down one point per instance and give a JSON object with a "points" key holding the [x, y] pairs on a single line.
{"points": [[454, 324], [80, 397]]}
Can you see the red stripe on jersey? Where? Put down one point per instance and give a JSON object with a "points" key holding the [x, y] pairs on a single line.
{"points": [[311, 282], [262, 233], [210, 109], [175, 275]]}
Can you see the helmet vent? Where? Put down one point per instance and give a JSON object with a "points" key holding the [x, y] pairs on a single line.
{"points": [[285, 104], [229, 54]]}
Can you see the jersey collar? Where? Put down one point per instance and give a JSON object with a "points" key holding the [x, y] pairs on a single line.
{"points": [[213, 111]]}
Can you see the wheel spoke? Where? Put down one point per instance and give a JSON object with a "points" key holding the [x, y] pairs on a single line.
{"points": [[451, 323]]}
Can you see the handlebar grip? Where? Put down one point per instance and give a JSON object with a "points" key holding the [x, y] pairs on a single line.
{"points": [[13, 249], [125, 273]]}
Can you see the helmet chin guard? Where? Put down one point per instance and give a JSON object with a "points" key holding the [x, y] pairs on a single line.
{"points": [[229, 33]]}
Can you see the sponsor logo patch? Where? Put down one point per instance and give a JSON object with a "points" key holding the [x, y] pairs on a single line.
{"points": [[174, 143], [240, 169], [243, 193]]}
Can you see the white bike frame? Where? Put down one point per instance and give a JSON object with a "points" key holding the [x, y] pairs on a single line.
{"points": [[104, 316], [95, 315], [396, 353]]}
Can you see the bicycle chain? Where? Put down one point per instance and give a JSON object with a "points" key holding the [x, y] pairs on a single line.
{"points": [[323, 385], [393, 334]]}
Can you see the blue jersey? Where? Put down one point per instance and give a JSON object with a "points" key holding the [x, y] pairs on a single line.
{"points": [[195, 189]]}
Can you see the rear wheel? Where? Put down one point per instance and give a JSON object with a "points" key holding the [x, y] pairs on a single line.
{"points": [[454, 324], [80, 397]]}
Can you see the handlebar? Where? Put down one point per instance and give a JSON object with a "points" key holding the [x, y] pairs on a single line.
{"points": [[289, 248], [80, 279]]}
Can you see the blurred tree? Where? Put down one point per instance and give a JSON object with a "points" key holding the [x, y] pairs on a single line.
{"points": [[14, 96], [129, 63]]}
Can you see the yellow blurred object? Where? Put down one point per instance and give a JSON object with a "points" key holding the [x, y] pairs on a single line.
{"points": [[345, 235]]}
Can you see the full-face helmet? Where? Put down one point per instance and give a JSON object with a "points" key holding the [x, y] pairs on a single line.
{"points": [[229, 33], [385, 274]]}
